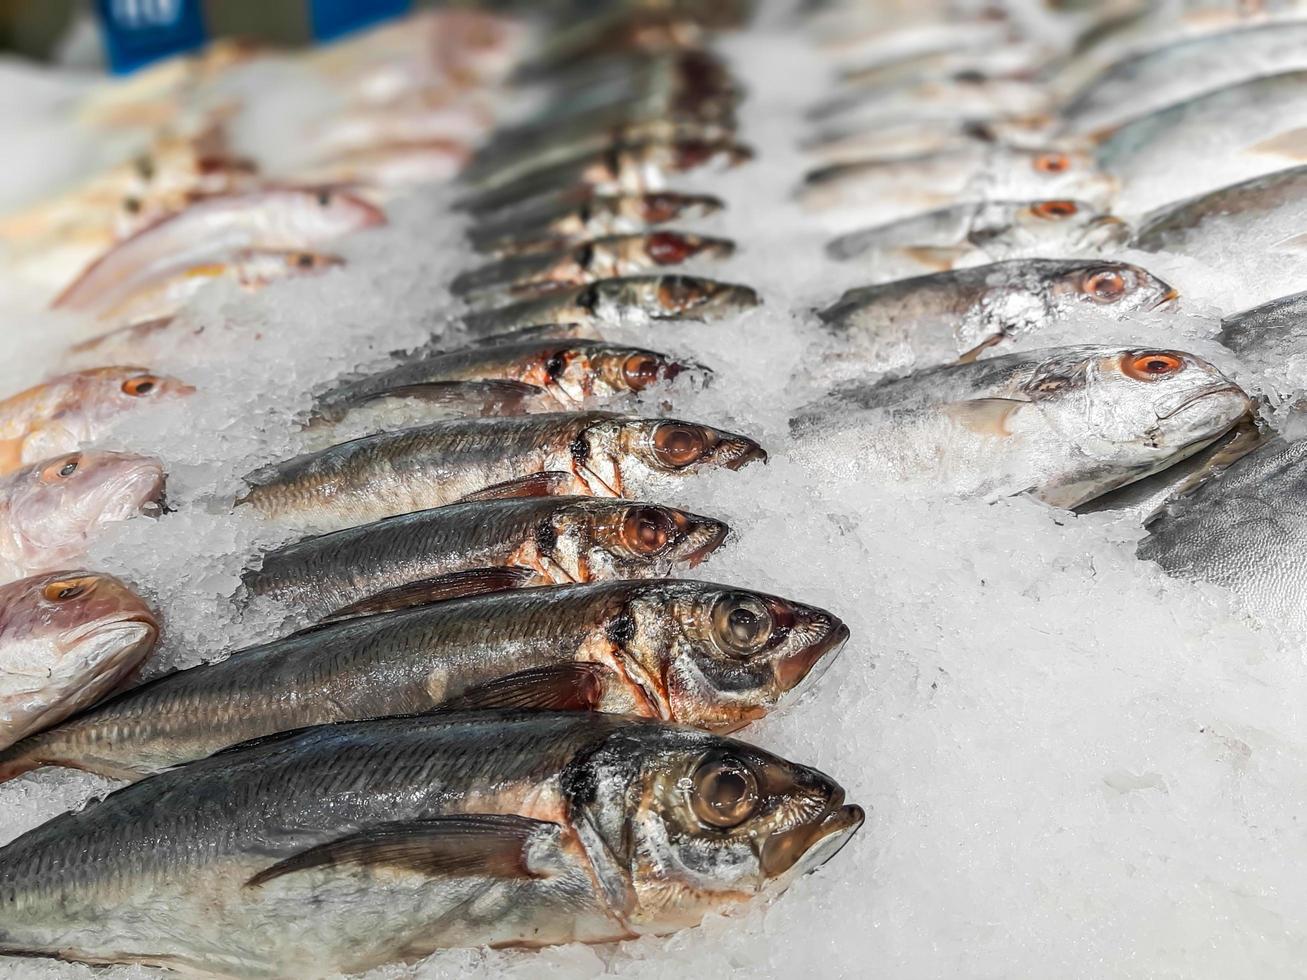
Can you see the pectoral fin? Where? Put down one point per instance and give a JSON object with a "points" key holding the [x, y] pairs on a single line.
{"points": [[550, 483], [455, 585], [485, 844], [986, 416], [562, 687]]}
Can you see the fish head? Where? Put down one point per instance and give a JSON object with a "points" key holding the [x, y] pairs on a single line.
{"points": [[673, 297], [330, 212], [1053, 220], [728, 655], [129, 386], [654, 452], [1122, 287], [658, 208], [56, 505], [702, 823], [621, 539], [86, 617], [1138, 408], [675, 247], [577, 371]]}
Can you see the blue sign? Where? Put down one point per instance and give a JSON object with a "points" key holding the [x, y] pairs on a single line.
{"points": [[332, 18], [137, 32]]}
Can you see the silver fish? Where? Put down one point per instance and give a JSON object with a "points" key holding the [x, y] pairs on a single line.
{"points": [[543, 540], [1066, 424], [949, 316], [591, 453], [344, 847]]}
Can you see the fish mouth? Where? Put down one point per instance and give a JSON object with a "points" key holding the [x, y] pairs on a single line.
{"points": [[1168, 299], [749, 452], [804, 849], [717, 534], [1227, 388], [793, 671]]}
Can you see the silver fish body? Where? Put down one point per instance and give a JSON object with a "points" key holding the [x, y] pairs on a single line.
{"points": [[935, 319], [341, 848], [556, 540], [709, 655]]}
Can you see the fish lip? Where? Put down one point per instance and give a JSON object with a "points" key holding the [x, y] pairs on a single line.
{"points": [[793, 671], [1168, 298], [778, 855], [752, 451], [1202, 393], [720, 532]]}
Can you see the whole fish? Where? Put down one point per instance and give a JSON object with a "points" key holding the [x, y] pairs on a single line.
{"points": [[251, 269], [577, 265], [213, 227], [558, 222], [406, 559], [1154, 78], [1066, 423], [67, 639], [1264, 212], [343, 847], [49, 511], [1242, 528], [711, 656], [1253, 127], [1272, 333], [591, 453], [637, 168], [950, 316], [1000, 172], [629, 299], [549, 375], [937, 239], [65, 412]]}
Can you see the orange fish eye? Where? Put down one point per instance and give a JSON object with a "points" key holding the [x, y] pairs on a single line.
{"points": [[1054, 210], [1052, 163], [1153, 365], [64, 589], [1106, 285], [659, 207], [61, 468], [679, 445], [668, 248], [140, 385], [640, 370], [647, 530]]}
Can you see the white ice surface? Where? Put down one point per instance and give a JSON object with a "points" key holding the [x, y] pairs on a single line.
{"points": [[1073, 766]]}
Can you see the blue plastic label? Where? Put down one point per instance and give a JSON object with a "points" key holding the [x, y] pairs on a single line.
{"points": [[137, 32], [332, 18]]}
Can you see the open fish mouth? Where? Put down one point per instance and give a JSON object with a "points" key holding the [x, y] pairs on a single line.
{"points": [[807, 847], [799, 672], [718, 532], [1197, 396]]}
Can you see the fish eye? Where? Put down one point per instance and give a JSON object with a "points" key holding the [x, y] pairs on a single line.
{"points": [[324, 198], [132, 205], [556, 365], [1153, 365], [742, 624], [692, 153], [1105, 285], [640, 370], [64, 589], [140, 385], [61, 468], [1054, 210], [584, 256], [723, 792], [304, 260], [647, 530], [1052, 163], [588, 298], [668, 248], [678, 445]]}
